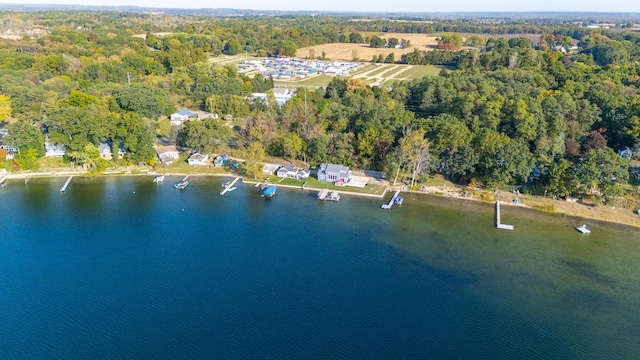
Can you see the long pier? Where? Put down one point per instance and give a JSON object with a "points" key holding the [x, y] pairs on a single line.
{"points": [[500, 225], [393, 199], [229, 186], [64, 187]]}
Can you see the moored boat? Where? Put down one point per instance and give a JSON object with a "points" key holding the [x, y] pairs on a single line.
{"points": [[583, 229], [323, 194], [158, 179], [269, 191], [181, 185], [333, 196]]}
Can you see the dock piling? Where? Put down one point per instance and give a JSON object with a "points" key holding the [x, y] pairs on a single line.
{"points": [[64, 187], [229, 186]]}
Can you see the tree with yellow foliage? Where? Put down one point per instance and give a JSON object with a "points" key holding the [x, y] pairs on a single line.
{"points": [[5, 107]]}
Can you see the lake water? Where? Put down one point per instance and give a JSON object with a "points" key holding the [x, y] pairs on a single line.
{"points": [[123, 268]]}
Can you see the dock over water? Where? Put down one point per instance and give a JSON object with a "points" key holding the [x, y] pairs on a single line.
{"points": [[393, 199], [500, 225], [229, 186], [64, 187], [3, 180]]}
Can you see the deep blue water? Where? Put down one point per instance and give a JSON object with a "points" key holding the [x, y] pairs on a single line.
{"points": [[123, 268]]}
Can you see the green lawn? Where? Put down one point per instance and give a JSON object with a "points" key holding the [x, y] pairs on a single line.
{"points": [[362, 69], [418, 71], [314, 183], [315, 80], [389, 73], [380, 69]]}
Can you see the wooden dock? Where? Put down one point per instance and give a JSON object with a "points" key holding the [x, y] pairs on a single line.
{"points": [[390, 204], [500, 225], [64, 187], [229, 186]]}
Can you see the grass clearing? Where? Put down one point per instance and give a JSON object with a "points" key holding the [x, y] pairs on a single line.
{"points": [[316, 184], [417, 71], [310, 81]]}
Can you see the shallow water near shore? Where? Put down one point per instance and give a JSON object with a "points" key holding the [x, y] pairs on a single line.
{"points": [[123, 268]]}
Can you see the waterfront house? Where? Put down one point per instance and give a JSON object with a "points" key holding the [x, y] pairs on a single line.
{"points": [[11, 151], [287, 171], [220, 160], [180, 116], [106, 150], [167, 154], [334, 173], [198, 159], [53, 150], [303, 174]]}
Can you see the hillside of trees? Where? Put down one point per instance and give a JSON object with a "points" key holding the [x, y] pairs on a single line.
{"points": [[512, 112]]}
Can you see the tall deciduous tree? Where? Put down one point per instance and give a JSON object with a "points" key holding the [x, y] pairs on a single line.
{"points": [[414, 149]]}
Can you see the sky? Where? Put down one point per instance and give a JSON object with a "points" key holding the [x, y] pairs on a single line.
{"points": [[372, 5]]}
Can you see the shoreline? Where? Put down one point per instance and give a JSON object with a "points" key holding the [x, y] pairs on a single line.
{"points": [[621, 217], [375, 196]]}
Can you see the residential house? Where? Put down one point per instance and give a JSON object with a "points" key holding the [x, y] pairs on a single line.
{"points": [[12, 151], [106, 150], [303, 174], [334, 173], [220, 160], [198, 159], [53, 150], [269, 169], [167, 154], [180, 116], [287, 171], [625, 152]]}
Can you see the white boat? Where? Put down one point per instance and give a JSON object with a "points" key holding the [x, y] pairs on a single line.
{"points": [[583, 229], [231, 189], [158, 179], [333, 196]]}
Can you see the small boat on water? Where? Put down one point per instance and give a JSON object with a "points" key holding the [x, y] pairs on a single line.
{"points": [[269, 191], [333, 196], [158, 179], [226, 184], [398, 201], [323, 194], [181, 185], [583, 229], [231, 189]]}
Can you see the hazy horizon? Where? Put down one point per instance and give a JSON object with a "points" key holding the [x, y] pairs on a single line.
{"points": [[365, 6]]}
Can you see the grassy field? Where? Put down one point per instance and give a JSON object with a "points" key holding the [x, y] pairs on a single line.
{"points": [[342, 51], [416, 71], [311, 81]]}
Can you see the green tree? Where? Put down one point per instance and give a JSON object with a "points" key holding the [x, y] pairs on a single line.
{"points": [[28, 159], [206, 136], [145, 100], [25, 136], [233, 47], [254, 156], [291, 145], [377, 42]]}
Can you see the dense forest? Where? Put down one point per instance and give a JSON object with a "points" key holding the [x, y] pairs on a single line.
{"points": [[552, 112]]}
